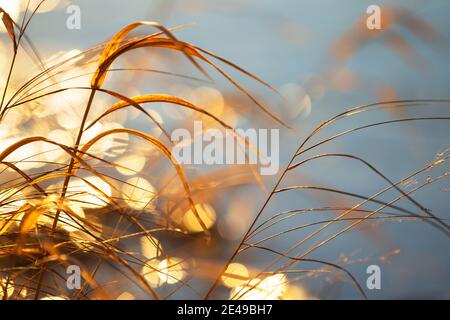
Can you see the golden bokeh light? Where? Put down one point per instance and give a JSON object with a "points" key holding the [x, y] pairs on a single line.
{"points": [[126, 296], [172, 270], [52, 152], [207, 215], [297, 293], [139, 194], [112, 145], [155, 198], [53, 298], [235, 275], [116, 144], [270, 288], [209, 99], [133, 164], [11, 200], [90, 192], [150, 271], [150, 247], [27, 156], [12, 8], [68, 119], [155, 131], [6, 287], [83, 240], [65, 221]]}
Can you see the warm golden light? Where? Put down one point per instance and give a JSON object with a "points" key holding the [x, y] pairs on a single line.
{"points": [[65, 221], [207, 215], [210, 99], [139, 194], [125, 296], [270, 288], [150, 247], [172, 270], [46, 6], [132, 163], [91, 192], [153, 168], [53, 152], [6, 287], [150, 271], [53, 298], [235, 275], [12, 8], [11, 200]]}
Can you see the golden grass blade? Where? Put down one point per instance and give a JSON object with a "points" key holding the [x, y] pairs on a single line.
{"points": [[377, 172], [352, 277], [13, 218], [77, 158], [30, 218], [300, 150], [172, 43], [151, 98], [128, 102], [29, 180], [165, 151], [112, 48], [191, 50]]}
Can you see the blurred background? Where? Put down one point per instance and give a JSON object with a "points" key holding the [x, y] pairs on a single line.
{"points": [[323, 61]]}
